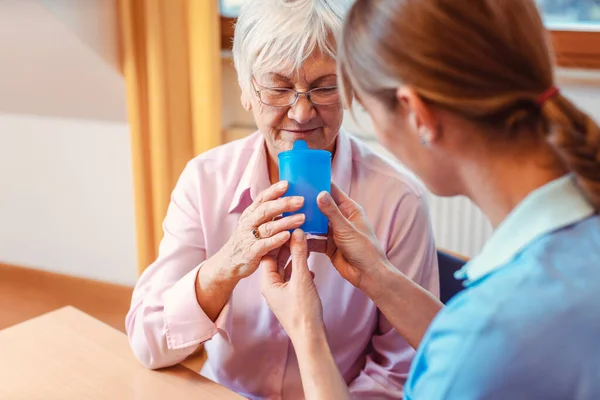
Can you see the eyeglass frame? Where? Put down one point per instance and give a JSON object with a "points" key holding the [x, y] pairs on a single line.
{"points": [[297, 94]]}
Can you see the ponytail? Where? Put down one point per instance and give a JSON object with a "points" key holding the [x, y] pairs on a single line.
{"points": [[576, 139]]}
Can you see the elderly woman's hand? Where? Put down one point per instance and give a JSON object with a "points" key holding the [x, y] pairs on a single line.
{"points": [[259, 231], [352, 247], [292, 294]]}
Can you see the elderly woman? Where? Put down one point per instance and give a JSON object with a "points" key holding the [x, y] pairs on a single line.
{"points": [[222, 220]]}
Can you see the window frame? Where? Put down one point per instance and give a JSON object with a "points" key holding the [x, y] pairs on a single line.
{"points": [[573, 48], [576, 48], [227, 29]]}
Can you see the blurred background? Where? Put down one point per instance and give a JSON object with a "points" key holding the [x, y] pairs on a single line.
{"points": [[102, 103]]}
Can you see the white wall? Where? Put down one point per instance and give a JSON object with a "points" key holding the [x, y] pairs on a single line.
{"points": [[66, 187], [66, 203]]}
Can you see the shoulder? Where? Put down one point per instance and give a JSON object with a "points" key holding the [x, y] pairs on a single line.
{"points": [[561, 263], [578, 243]]}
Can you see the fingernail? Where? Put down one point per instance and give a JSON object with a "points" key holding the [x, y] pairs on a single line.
{"points": [[299, 217], [281, 184], [324, 197], [298, 201], [298, 235]]}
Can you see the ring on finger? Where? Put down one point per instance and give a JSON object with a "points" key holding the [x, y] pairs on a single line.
{"points": [[256, 233]]}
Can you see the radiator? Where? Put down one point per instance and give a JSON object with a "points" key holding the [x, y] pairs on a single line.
{"points": [[458, 225]]}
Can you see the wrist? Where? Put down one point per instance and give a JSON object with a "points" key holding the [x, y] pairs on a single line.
{"points": [[217, 272], [377, 283], [309, 338]]}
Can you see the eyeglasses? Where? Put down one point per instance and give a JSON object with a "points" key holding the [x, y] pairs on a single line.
{"points": [[283, 97]]}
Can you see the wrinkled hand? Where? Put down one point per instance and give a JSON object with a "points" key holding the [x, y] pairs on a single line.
{"points": [[243, 252], [352, 247], [295, 300]]}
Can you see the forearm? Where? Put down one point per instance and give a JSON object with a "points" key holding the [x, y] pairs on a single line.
{"points": [[165, 323], [409, 308], [215, 285], [321, 378]]}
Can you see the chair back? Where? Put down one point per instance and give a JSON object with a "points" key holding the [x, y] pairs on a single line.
{"points": [[448, 265]]}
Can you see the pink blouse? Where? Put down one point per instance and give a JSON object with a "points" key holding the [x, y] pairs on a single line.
{"points": [[248, 350]]}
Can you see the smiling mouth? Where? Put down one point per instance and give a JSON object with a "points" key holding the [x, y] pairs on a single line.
{"points": [[301, 132]]}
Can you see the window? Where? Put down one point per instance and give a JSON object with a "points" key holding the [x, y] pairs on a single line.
{"points": [[578, 14], [230, 8], [574, 27]]}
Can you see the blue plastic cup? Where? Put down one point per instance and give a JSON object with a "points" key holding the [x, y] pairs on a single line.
{"points": [[308, 173]]}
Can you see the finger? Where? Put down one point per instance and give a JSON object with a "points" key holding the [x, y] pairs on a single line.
{"points": [[267, 211], [336, 219], [287, 275], [331, 246], [289, 223], [339, 196], [263, 246], [299, 250], [349, 208], [274, 192], [269, 276], [346, 205]]}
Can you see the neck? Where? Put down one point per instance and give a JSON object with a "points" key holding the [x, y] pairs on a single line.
{"points": [[273, 166], [498, 184]]}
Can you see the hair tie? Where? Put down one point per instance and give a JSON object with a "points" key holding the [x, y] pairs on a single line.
{"points": [[548, 94]]}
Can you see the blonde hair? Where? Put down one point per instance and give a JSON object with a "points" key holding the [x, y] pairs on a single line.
{"points": [[270, 34], [487, 60]]}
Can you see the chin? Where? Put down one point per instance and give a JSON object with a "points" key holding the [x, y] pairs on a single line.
{"points": [[442, 189]]}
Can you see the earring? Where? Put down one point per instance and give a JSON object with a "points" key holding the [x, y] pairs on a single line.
{"points": [[425, 136]]}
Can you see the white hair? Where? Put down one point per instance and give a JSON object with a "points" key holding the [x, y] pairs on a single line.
{"points": [[270, 34]]}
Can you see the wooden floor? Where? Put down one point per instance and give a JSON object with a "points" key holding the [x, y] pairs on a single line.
{"points": [[27, 293]]}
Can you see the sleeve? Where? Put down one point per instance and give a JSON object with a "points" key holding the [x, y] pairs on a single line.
{"points": [[165, 323], [463, 356], [411, 248]]}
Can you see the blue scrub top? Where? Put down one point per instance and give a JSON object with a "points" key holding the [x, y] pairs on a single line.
{"points": [[528, 324]]}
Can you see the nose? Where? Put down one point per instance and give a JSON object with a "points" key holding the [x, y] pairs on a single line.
{"points": [[302, 111]]}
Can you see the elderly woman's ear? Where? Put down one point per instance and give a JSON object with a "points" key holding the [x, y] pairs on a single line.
{"points": [[246, 103]]}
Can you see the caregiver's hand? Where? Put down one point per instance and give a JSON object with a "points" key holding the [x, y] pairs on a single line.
{"points": [[241, 255], [296, 303], [353, 247], [355, 252], [292, 296]]}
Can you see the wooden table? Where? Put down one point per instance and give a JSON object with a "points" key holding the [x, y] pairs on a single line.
{"points": [[66, 354]]}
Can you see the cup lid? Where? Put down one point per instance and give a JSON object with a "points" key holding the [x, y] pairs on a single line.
{"points": [[301, 148]]}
